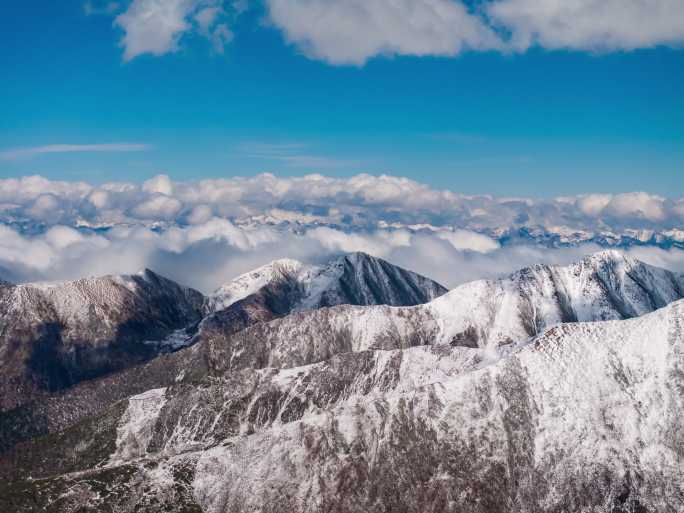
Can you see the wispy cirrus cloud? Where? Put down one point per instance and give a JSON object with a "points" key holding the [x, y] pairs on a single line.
{"points": [[99, 7], [23, 153], [295, 155]]}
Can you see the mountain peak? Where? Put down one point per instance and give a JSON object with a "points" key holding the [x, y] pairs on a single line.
{"points": [[355, 278], [358, 256], [610, 256]]}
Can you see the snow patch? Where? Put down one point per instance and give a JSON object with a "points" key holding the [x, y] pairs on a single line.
{"points": [[135, 429]]}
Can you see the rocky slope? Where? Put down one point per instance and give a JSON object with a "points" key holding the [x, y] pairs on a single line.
{"points": [[95, 312], [490, 398], [53, 335], [479, 314], [584, 417]]}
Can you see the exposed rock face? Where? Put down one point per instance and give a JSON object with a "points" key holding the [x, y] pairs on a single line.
{"points": [[586, 417], [54, 335]]}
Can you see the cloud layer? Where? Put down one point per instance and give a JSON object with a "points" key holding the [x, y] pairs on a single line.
{"points": [[360, 202], [211, 253], [206, 232], [353, 31]]}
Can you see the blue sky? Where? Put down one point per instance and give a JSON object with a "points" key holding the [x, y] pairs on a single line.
{"points": [[542, 121]]}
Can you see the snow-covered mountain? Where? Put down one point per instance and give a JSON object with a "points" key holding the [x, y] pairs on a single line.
{"points": [[55, 334], [494, 397], [286, 286], [584, 417], [485, 313], [354, 279], [114, 323]]}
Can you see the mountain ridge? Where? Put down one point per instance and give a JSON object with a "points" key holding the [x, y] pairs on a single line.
{"points": [[550, 425], [35, 410]]}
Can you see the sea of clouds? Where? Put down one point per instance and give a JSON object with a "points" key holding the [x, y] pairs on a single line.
{"points": [[204, 233]]}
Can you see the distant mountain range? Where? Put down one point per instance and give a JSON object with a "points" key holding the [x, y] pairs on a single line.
{"points": [[513, 234], [351, 387]]}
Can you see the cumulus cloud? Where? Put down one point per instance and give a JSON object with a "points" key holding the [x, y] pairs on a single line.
{"points": [[361, 202], [43, 207], [602, 25], [593, 204], [343, 32], [637, 204], [153, 26], [467, 240], [206, 232], [157, 207], [351, 31], [157, 26], [200, 214], [160, 183]]}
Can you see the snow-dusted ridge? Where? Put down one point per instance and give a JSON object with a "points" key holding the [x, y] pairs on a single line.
{"points": [[422, 428], [485, 314], [69, 331], [250, 282], [60, 333], [493, 398], [584, 417]]}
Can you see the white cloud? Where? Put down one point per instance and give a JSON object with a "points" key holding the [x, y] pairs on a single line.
{"points": [[206, 17], [678, 208], [19, 153], [154, 26], [352, 31], [218, 33], [200, 214], [590, 24], [209, 254], [157, 207], [467, 240], [61, 237], [44, 207], [593, 204], [99, 198], [637, 204], [157, 26], [221, 36], [358, 202], [160, 184]]}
